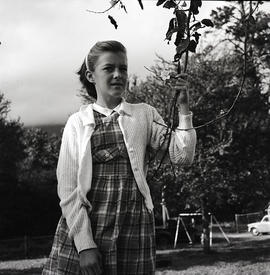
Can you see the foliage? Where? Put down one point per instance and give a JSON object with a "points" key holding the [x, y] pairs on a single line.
{"points": [[27, 178], [4, 107], [38, 167], [11, 147], [253, 120], [224, 159], [232, 154]]}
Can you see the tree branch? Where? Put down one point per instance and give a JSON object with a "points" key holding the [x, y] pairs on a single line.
{"points": [[99, 12]]}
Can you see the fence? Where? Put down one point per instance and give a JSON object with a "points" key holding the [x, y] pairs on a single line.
{"points": [[25, 247], [241, 220]]}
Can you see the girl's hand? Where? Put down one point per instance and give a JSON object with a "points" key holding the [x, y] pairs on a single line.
{"points": [[182, 86], [90, 262]]}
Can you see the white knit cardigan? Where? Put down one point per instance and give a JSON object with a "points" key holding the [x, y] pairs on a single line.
{"points": [[140, 131]]}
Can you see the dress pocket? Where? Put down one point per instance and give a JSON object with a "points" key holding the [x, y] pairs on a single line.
{"points": [[105, 155]]}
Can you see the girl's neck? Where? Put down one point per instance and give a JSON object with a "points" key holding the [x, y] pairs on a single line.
{"points": [[110, 104]]}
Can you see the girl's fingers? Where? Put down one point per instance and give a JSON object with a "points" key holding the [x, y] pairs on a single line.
{"points": [[100, 262], [96, 268]]}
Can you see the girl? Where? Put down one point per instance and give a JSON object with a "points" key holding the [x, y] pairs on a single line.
{"points": [[107, 223]]}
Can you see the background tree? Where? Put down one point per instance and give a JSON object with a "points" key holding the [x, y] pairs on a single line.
{"points": [[38, 182], [11, 146], [28, 197], [12, 153], [232, 154]]}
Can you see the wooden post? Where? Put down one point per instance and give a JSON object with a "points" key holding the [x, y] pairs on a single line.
{"points": [[177, 231], [163, 215], [222, 231], [236, 223], [205, 224], [185, 228], [163, 207], [211, 230]]}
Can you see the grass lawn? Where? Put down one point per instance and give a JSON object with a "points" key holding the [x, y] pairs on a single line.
{"points": [[245, 255]]}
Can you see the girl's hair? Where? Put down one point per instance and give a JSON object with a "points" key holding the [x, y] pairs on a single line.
{"points": [[90, 61]]}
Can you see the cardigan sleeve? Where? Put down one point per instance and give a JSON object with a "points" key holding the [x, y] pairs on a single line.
{"points": [[182, 142], [73, 209]]}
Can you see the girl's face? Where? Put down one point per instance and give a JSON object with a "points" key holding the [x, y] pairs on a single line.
{"points": [[110, 76]]}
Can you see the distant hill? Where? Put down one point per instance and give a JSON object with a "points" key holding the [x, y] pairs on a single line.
{"points": [[50, 128]]}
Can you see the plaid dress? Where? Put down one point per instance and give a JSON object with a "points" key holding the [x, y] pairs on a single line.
{"points": [[123, 229]]}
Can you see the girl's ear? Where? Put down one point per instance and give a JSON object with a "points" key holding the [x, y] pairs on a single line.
{"points": [[89, 76]]}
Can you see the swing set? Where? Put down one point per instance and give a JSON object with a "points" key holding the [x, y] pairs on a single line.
{"points": [[190, 222]]}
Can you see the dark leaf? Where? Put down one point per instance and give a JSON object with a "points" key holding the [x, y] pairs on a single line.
{"points": [[181, 18], [179, 68], [182, 46], [192, 46], [222, 16], [194, 6], [207, 22], [177, 57], [252, 20], [169, 4], [182, 23], [160, 2], [179, 37], [196, 26], [196, 36], [123, 7], [113, 21], [141, 4], [172, 29]]}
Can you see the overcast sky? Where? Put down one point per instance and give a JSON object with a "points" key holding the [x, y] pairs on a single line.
{"points": [[43, 43]]}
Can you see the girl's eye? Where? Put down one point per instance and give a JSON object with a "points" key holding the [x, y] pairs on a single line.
{"points": [[108, 68], [123, 69]]}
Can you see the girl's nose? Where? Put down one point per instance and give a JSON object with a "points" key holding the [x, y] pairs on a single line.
{"points": [[116, 73]]}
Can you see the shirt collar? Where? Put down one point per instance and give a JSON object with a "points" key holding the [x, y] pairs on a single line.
{"points": [[125, 108], [86, 111], [103, 110]]}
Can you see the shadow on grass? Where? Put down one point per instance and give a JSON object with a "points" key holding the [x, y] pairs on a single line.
{"points": [[251, 251]]}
